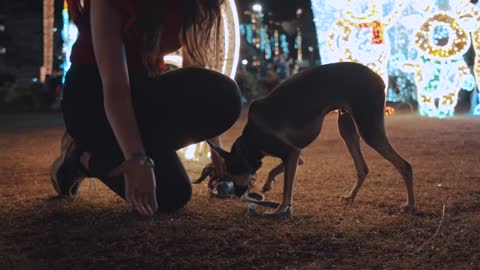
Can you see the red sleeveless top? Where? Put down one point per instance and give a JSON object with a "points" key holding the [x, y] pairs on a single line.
{"points": [[130, 10]]}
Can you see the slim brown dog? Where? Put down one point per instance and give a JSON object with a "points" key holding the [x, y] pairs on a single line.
{"points": [[291, 116]]}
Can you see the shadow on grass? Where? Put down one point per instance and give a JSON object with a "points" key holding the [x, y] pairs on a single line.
{"points": [[65, 234], [80, 234]]}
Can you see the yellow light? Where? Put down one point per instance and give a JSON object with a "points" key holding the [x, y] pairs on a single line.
{"points": [[360, 18], [173, 59], [425, 40], [441, 71]]}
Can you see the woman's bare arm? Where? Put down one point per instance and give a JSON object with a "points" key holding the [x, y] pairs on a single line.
{"points": [[111, 60]]}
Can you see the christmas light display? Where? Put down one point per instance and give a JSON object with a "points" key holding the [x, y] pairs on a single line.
{"points": [[421, 42], [471, 16], [284, 45], [355, 31], [440, 70]]}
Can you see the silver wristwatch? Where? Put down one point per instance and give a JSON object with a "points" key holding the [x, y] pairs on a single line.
{"points": [[143, 160]]}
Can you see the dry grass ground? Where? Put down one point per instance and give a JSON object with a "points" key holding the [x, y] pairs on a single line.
{"points": [[98, 231]]}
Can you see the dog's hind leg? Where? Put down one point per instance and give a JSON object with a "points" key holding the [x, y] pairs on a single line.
{"points": [[371, 128], [349, 134]]}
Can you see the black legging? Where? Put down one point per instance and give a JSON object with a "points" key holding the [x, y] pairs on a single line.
{"points": [[174, 110]]}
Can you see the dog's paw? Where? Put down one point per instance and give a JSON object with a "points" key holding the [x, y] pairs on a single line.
{"points": [[347, 199], [406, 208], [266, 188], [278, 214], [268, 184]]}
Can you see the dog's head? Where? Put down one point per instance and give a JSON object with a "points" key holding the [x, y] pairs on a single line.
{"points": [[240, 165]]}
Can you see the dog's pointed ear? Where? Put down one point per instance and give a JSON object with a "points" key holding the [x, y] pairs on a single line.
{"points": [[224, 154]]}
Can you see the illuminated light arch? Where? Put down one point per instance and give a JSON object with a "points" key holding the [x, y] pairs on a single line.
{"points": [[225, 59], [440, 70]]}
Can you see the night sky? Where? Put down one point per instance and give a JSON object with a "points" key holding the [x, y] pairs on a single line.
{"points": [[279, 10]]}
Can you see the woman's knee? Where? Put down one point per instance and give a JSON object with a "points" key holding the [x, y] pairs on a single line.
{"points": [[174, 200], [221, 94], [174, 197], [213, 84]]}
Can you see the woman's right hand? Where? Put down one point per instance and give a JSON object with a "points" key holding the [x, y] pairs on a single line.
{"points": [[140, 187]]}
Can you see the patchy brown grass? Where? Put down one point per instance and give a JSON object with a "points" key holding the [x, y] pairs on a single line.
{"points": [[98, 231]]}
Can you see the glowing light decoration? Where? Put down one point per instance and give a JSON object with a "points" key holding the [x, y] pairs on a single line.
{"points": [[421, 42], [440, 71], [69, 36], [355, 31], [476, 45], [473, 23], [284, 44]]}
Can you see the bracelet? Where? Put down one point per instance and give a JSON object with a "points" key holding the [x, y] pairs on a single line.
{"points": [[142, 160]]}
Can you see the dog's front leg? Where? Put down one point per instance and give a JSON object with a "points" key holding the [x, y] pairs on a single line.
{"points": [[290, 163], [271, 177], [274, 173]]}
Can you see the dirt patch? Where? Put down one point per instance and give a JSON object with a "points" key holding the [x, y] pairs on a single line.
{"points": [[98, 231]]}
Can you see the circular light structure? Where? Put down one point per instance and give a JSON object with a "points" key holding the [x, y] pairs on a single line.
{"points": [[441, 37], [440, 71]]}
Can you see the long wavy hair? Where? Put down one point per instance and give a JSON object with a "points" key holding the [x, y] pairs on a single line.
{"points": [[201, 19]]}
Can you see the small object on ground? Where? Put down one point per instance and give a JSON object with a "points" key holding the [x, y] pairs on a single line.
{"points": [[225, 188], [256, 196], [217, 186]]}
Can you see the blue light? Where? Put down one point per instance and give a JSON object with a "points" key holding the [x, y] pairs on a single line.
{"points": [[69, 36]]}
